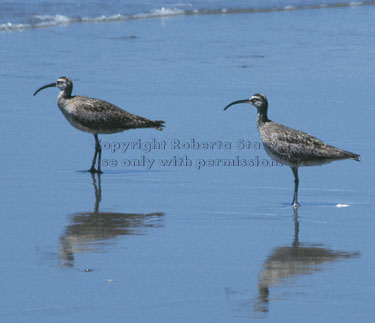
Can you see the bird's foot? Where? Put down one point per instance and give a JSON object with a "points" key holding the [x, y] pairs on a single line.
{"points": [[92, 170]]}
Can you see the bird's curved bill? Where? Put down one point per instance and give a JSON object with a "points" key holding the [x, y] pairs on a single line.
{"points": [[236, 102], [44, 87]]}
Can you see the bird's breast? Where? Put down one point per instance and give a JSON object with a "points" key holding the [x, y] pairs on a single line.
{"points": [[71, 113]]}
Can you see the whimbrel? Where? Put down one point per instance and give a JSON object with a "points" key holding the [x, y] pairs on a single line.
{"points": [[292, 147], [96, 116]]}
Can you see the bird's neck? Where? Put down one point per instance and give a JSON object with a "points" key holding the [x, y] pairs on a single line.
{"points": [[262, 118], [63, 98], [65, 94]]}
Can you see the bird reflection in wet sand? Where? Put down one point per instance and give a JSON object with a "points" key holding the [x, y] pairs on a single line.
{"points": [[290, 261], [90, 231]]}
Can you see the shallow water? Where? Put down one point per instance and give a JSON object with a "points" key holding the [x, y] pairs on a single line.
{"points": [[192, 242]]}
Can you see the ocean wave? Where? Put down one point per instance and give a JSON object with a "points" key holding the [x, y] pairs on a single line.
{"points": [[39, 21], [162, 12], [44, 21], [9, 26], [58, 19]]}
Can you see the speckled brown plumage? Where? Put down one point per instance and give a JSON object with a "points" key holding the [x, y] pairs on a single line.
{"points": [[296, 148], [98, 116], [292, 147]]}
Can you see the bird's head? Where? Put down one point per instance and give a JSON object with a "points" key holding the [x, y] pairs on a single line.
{"points": [[64, 83], [259, 101]]}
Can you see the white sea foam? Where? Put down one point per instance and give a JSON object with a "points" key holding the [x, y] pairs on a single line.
{"points": [[168, 11], [57, 19], [43, 21], [9, 26], [103, 18], [162, 12], [342, 205]]}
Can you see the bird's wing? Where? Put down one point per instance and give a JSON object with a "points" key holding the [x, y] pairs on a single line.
{"points": [[99, 114], [300, 147]]}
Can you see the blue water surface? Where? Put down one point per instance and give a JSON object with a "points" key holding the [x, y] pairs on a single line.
{"points": [[200, 241]]}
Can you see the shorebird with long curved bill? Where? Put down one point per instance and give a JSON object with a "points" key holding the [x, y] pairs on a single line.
{"points": [[96, 116], [289, 146]]}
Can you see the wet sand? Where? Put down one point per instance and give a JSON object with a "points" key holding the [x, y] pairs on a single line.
{"points": [[178, 242]]}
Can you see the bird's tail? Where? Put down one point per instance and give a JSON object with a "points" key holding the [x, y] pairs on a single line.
{"points": [[357, 157], [159, 124], [344, 154]]}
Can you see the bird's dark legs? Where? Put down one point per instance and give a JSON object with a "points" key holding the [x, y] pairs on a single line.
{"points": [[98, 151], [92, 169], [97, 144], [296, 182]]}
